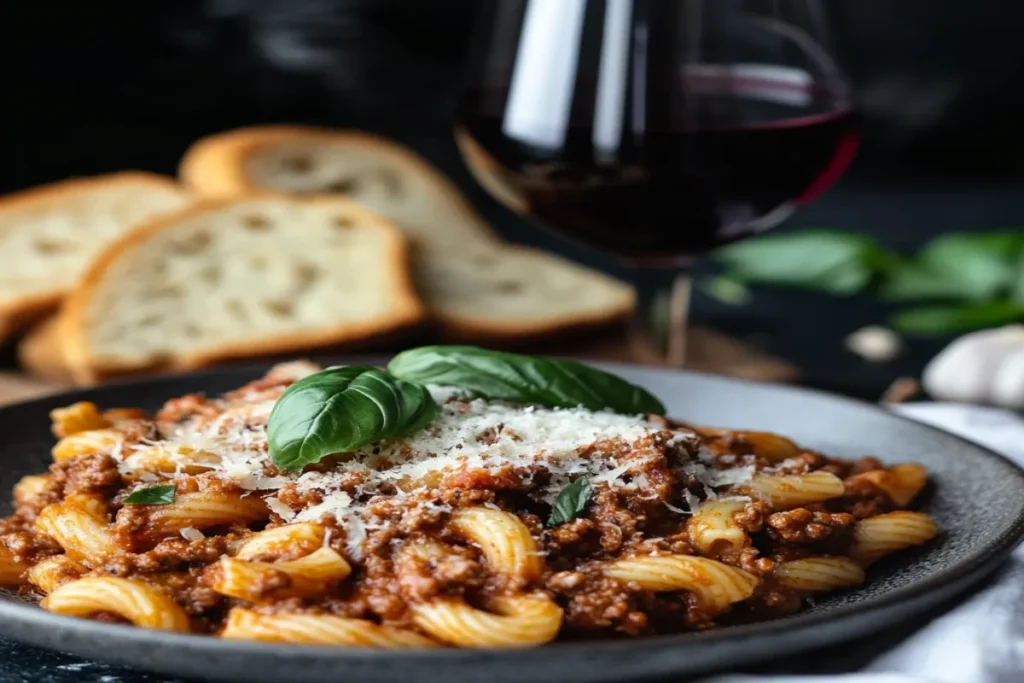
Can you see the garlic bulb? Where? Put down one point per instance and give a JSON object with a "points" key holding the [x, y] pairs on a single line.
{"points": [[875, 343], [980, 367]]}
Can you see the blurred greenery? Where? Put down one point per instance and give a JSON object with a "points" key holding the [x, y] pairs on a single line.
{"points": [[725, 289], [946, 319], [969, 280], [979, 267], [831, 261]]}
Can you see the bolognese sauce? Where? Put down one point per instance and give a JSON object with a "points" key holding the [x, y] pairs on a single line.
{"points": [[389, 514]]}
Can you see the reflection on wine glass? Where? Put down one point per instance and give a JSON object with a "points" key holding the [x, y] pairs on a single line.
{"points": [[656, 129]]}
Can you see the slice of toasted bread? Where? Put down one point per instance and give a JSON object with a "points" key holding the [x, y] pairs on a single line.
{"points": [[233, 278], [509, 294], [42, 353], [379, 174], [469, 301], [49, 234]]}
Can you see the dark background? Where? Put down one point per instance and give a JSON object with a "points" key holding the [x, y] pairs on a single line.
{"points": [[91, 87]]}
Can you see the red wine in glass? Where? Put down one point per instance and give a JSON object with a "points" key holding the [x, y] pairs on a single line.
{"points": [[656, 129]]}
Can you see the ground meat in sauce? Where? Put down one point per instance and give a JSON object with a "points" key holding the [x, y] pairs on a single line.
{"points": [[412, 554], [178, 410], [171, 555], [136, 431], [804, 526], [27, 547], [596, 602], [803, 463], [422, 577], [752, 517], [89, 474], [863, 498]]}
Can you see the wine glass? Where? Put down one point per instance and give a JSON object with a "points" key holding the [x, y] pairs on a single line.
{"points": [[656, 129]]}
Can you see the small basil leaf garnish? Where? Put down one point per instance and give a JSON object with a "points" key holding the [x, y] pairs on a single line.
{"points": [[154, 495], [341, 409], [523, 379], [571, 502]]}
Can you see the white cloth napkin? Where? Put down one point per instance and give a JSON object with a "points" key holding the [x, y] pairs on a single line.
{"points": [[982, 640]]}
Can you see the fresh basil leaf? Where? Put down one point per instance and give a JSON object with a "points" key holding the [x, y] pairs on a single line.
{"points": [[937, 320], [523, 379], [1017, 288], [960, 266], [910, 281], [726, 290], [154, 495], [341, 409], [836, 262], [418, 407], [571, 502]]}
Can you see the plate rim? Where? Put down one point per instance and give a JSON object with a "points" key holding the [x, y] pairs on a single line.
{"points": [[953, 579]]}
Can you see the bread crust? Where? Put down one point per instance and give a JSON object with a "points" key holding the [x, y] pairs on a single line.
{"points": [[215, 165], [17, 314], [87, 369], [456, 327], [41, 351]]}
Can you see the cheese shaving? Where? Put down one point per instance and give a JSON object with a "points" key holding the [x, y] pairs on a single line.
{"points": [[334, 505], [280, 509]]}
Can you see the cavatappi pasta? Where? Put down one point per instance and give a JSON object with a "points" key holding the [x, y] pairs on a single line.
{"points": [[442, 538]]}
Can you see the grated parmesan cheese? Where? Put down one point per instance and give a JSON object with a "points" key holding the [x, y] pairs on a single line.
{"points": [[334, 504], [280, 509], [470, 435], [691, 500], [257, 482], [681, 511], [612, 475], [355, 529], [711, 478]]}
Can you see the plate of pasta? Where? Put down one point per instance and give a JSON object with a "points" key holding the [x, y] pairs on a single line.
{"points": [[463, 514]]}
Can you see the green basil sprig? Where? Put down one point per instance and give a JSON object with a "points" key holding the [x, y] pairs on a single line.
{"points": [[344, 408], [971, 280], [945, 319], [154, 495], [523, 379], [571, 502], [840, 263], [341, 409], [960, 267]]}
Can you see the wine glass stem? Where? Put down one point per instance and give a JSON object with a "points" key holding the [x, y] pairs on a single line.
{"points": [[662, 321], [678, 319]]}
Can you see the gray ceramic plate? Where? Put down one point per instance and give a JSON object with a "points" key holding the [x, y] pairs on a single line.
{"points": [[977, 500]]}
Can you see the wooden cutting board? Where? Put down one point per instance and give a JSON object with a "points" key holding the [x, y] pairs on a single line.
{"points": [[708, 351], [16, 387]]}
